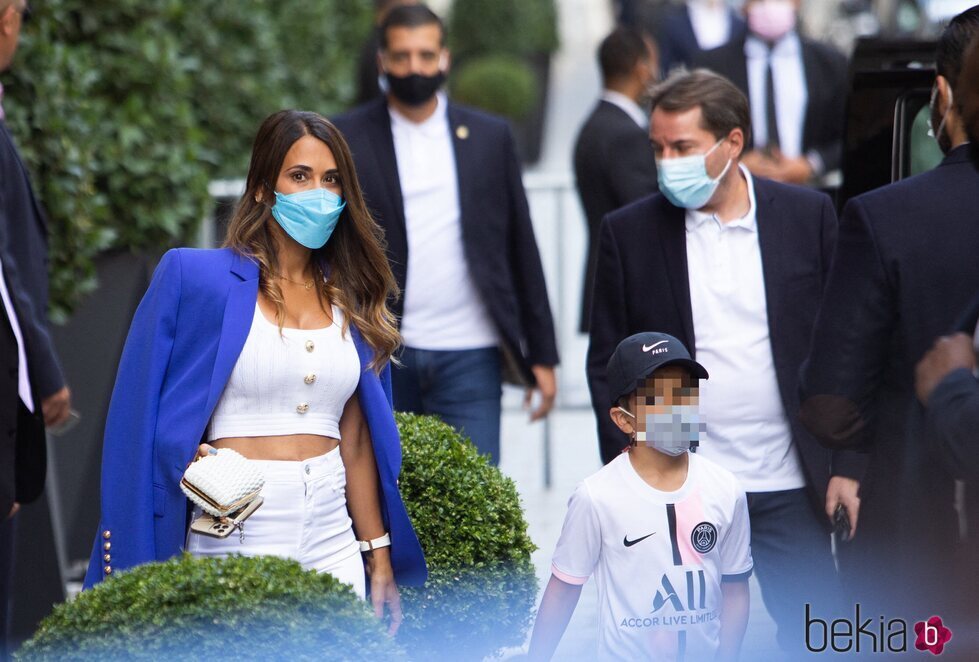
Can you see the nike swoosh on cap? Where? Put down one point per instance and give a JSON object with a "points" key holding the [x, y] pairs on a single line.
{"points": [[646, 348], [630, 543]]}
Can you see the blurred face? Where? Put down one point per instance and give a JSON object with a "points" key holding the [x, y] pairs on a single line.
{"points": [[668, 387], [309, 164], [11, 17], [414, 50], [681, 133]]}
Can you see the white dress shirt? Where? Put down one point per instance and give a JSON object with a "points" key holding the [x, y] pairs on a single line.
{"points": [[23, 378], [747, 429], [711, 23], [628, 106], [442, 308], [791, 94]]}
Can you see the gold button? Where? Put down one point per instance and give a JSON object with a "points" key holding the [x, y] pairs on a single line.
{"points": [[462, 132], [108, 569], [310, 378], [107, 546], [310, 346], [302, 408], [107, 534], [107, 558]]}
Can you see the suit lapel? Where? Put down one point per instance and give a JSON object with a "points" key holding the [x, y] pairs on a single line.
{"points": [[386, 160], [466, 164], [810, 69], [772, 252], [238, 313], [673, 242]]}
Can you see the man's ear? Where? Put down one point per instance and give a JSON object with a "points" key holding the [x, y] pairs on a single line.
{"points": [[622, 421], [943, 93]]}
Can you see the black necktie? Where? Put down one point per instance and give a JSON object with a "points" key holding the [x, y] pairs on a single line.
{"points": [[771, 121]]}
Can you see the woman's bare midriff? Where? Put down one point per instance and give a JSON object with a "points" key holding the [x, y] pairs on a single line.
{"points": [[291, 447]]}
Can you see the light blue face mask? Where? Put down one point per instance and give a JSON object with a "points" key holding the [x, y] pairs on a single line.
{"points": [[672, 432], [684, 180], [309, 217]]}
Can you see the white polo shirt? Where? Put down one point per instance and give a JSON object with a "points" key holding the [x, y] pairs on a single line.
{"points": [[658, 558], [747, 429], [442, 308]]}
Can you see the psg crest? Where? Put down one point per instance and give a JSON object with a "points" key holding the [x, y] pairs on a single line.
{"points": [[703, 537]]}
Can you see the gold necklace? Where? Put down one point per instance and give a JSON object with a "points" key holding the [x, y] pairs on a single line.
{"points": [[306, 284]]}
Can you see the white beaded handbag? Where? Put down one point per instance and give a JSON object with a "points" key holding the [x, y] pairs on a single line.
{"points": [[223, 483]]}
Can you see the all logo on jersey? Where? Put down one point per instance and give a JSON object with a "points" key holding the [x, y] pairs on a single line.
{"points": [[696, 593], [703, 537]]}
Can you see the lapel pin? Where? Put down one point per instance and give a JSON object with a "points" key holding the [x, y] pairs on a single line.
{"points": [[462, 132]]}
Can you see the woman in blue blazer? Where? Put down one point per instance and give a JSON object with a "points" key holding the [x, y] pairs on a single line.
{"points": [[303, 266]]}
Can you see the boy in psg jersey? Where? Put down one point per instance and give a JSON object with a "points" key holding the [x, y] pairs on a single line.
{"points": [[664, 531]]}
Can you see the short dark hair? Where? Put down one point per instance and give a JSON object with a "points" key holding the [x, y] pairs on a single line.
{"points": [[953, 42], [410, 16], [620, 51], [967, 91], [723, 106]]}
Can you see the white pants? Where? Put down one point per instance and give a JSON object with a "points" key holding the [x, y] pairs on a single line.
{"points": [[304, 517]]}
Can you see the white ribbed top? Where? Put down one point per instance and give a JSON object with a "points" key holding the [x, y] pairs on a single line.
{"points": [[296, 382]]}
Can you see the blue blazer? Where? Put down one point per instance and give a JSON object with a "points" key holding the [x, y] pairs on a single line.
{"points": [[182, 346]]}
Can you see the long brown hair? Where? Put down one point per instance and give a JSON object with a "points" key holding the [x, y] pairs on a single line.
{"points": [[352, 269]]}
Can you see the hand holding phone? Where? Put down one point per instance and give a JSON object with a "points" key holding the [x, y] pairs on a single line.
{"points": [[841, 523]]}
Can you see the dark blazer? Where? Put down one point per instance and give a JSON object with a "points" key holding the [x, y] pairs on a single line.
{"points": [[641, 284], [905, 266], [497, 236], [24, 254], [613, 166], [678, 42], [952, 416], [826, 86]]}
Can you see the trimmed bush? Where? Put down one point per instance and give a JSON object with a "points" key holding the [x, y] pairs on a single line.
{"points": [[515, 27], [500, 84], [262, 608], [481, 587]]}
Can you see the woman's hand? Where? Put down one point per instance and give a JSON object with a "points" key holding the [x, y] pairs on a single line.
{"points": [[204, 450], [383, 589]]}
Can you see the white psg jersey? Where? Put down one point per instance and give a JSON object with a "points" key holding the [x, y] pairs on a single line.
{"points": [[658, 557]]}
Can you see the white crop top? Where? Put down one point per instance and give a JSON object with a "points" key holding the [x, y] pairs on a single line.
{"points": [[294, 383]]}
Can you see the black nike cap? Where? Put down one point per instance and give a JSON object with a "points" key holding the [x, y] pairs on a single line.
{"points": [[638, 356]]}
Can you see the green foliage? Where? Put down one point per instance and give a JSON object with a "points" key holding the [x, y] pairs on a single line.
{"points": [[515, 27], [187, 608], [481, 586], [500, 84], [125, 109]]}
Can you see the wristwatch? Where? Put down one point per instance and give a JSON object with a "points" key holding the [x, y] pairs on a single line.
{"points": [[371, 545]]}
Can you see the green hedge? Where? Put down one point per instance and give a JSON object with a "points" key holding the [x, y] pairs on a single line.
{"points": [[481, 588], [512, 27], [125, 109], [262, 608], [500, 84]]}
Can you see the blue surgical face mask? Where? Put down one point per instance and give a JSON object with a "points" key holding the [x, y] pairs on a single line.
{"points": [[672, 432], [309, 217], [684, 180]]}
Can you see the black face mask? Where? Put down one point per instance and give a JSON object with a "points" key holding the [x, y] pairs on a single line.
{"points": [[415, 89]]}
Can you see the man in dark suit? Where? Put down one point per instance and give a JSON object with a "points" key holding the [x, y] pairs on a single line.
{"points": [[32, 389], [613, 164], [734, 267], [904, 266], [796, 91], [698, 25], [445, 184]]}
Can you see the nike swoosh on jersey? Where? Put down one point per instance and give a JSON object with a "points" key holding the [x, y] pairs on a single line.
{"points": [[646, 348], [630, 543]]}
